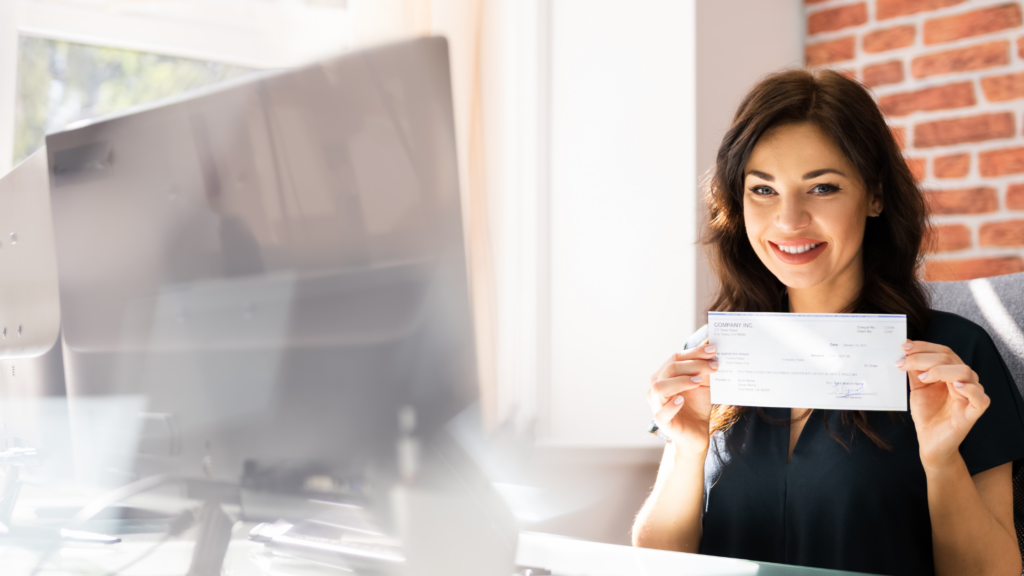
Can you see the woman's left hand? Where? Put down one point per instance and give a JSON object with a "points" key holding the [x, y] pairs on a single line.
{"points": [[946, 399]]}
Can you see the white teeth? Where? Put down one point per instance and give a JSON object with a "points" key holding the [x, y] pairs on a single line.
{"points": [[798, 249]]}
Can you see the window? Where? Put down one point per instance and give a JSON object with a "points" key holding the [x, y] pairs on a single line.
{"points": [[62, 82]]}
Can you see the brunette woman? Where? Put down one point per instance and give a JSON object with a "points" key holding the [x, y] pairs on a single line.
{"points": [[813, 210]]}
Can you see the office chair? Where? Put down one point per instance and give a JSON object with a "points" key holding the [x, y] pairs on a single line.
{"points": [[997, 305]]}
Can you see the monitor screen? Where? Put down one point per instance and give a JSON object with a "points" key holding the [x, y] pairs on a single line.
{"points": [[271, 271]]}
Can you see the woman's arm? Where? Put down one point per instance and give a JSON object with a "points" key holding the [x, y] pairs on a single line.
{"points": [[972, 520], [681, 401], [671, 517]]}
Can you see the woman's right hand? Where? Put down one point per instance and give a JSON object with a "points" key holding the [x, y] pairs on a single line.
{"points": [[680, 397]]}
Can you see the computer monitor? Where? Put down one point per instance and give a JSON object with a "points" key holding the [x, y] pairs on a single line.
{"points": [[33, 412], [268, 276]]}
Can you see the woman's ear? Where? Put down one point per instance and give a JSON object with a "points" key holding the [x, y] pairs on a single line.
{"points": [[875, 203]]}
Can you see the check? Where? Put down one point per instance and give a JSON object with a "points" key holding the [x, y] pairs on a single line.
{"points": [[830, 361]]}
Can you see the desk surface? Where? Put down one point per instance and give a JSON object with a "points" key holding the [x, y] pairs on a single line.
{"points": [[562, 556], [569, 557]]}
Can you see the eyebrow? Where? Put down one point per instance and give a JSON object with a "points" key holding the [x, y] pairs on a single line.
{"points": [[810, 175]]}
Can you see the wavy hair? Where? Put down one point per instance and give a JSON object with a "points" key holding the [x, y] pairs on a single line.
{"points": [[845, 111]]}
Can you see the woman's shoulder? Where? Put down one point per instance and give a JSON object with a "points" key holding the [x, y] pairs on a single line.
{"points": [[956, 332], [950, 322]]}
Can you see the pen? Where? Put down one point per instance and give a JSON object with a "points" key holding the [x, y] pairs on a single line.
{"points": [[654, 430]]}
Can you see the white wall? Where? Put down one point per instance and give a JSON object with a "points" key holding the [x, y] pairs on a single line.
{"points": [[621, 196]]}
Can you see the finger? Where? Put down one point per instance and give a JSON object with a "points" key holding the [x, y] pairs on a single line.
{"points": [[665, 415], [977, 400], [947, 373], [922, 347], [927, 360], [701, 352], [657, 373], [671, 386], [704, 351], [689, 368]]}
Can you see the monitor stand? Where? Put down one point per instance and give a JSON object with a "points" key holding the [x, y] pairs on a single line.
{"points": [[212, 540]]}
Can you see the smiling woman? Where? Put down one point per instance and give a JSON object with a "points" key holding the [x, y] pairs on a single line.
{"points": [[812, 209]]}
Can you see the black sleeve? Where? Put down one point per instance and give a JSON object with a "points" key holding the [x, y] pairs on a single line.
{"points": [[998, 436]]}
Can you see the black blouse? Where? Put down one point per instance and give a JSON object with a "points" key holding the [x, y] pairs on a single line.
{"points": [[859, 508]]}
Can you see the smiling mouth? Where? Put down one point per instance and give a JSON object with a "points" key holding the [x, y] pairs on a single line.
{"points": [[798, 249], [797, 254]]}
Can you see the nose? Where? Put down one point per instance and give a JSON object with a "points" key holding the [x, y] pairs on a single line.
{"points": [[792, 214]]}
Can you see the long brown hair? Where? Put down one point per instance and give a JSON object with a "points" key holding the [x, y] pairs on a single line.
{"points": [[846, 112]]}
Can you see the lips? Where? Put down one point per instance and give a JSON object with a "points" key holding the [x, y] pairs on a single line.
{"points": [[800, 251]]}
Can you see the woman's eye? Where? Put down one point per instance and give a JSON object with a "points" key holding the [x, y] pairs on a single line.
{"points": [[824, 189], [762, 190]]}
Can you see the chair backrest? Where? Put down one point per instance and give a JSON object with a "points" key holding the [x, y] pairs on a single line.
{"points": [[996, 304]]}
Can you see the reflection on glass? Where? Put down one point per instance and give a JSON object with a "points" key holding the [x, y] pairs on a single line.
{"points": [[61, 82]]}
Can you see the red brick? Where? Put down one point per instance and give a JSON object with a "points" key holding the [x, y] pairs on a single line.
{"points": [[1001, 162], [959, 130], [957, 95], [976, 23], [1007, 233], [953, 166], [837, 18], [889, 39], [974, 57], [1015, 196], [963, 201], [831, 51], [888, 73], [947, 270], [1005, 87], [893, 8], [815, 1], [917, 167], [899, 134], [947, 238], [1020, 46]]}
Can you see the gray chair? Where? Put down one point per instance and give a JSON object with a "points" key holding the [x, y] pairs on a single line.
{"points": [[996, 304]]}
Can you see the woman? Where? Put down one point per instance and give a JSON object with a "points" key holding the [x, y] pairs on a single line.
{"points": [[813, 210]]}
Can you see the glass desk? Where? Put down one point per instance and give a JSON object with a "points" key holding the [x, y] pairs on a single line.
{"points": [[569, 557], [560, 555]]}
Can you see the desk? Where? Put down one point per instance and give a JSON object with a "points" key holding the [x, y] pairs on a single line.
{"points": [[570, 557], [563, 556]]}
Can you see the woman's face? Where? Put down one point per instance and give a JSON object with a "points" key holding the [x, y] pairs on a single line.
{"points": [[804, 207]]}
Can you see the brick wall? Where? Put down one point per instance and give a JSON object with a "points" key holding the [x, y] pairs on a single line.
{"points": [[949, 74]]}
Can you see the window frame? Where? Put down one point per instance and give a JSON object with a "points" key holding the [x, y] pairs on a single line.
{"points": [[252, 34]]}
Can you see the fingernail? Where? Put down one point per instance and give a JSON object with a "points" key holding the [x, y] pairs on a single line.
{"points": [[922, 375], [678, 400], [713, 364], [901, 362], [958, 384], [908, 345], [709, 349], [695, 379]]}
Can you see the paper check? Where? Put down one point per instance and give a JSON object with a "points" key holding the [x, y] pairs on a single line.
{"points": [[829, 361]]}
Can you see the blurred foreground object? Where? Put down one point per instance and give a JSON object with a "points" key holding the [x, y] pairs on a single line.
{"points": [[263, 286], [29, 302]]}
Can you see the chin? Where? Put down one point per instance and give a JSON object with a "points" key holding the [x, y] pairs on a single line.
{"points": [[798, 281]]}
